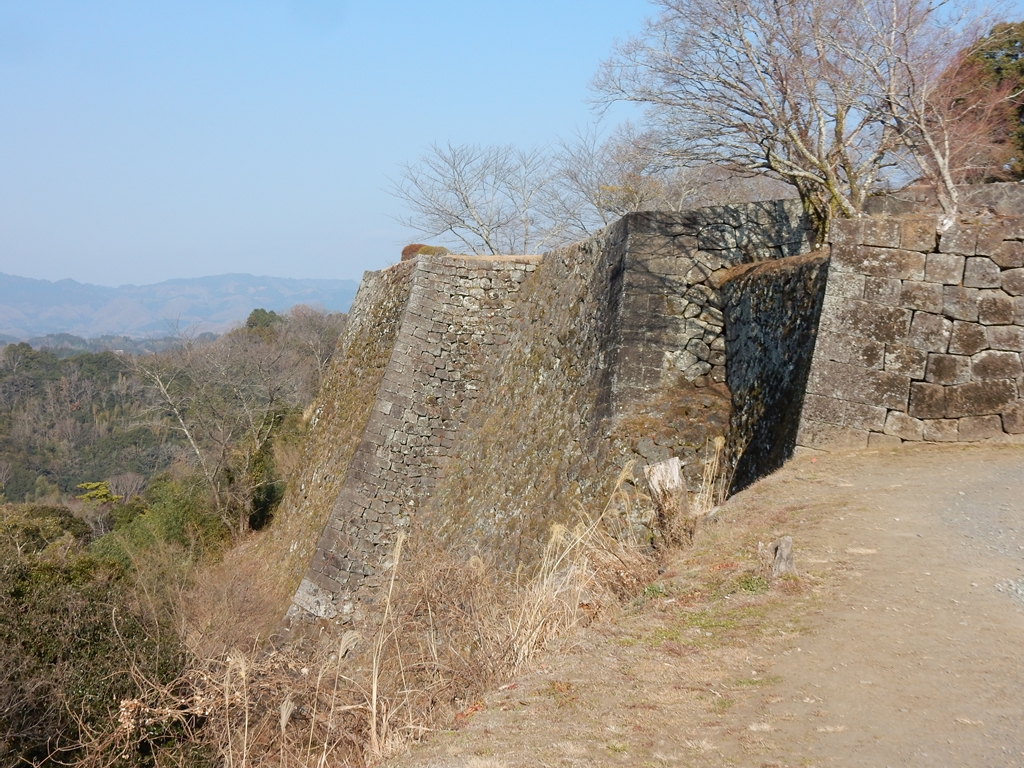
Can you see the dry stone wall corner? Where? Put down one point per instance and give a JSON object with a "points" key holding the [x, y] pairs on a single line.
{"points": [[921, 332]]}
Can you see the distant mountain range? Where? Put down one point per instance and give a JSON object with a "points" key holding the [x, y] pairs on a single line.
{"points": [[30, 308]]}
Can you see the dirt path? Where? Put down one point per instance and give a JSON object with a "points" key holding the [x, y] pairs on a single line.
{"points": [[900, 645]]}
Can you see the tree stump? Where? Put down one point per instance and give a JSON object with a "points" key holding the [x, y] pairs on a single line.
{"points": [[668, 489], [777, 557]]}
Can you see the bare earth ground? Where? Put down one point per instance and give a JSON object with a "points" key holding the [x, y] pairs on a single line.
{"points": [[901, 643]]}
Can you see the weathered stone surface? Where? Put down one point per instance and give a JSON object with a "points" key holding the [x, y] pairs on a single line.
{"points": [[846, 285], [814, 434], [827, 410], [980, 398], [981, 272], [995, 308], [946, 268], [851, 349], [918, 234], [1013, 419], [979, 428], [1018, 310], [882, 290], [846, 232], [903, 426], [930, 332], [882, 232], [890, 262], [849, 382], [1013, 281], [861, 318], [905, 361], [926, 297], [927, 401], [960, 303], [948, 369], [1008, 337], [995, 364], [958, 239], [1009, 254], [989, 239], [967, 338], [861, 416], [941, 430]]}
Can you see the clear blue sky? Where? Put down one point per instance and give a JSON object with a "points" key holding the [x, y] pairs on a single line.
{"points": [[145, 140]]}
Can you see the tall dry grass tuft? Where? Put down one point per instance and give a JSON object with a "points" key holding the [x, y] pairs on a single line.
{"points": [[716, 479], [446, 629]]}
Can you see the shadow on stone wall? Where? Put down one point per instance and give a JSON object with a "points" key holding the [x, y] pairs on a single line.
{"points": [[771, 319]]}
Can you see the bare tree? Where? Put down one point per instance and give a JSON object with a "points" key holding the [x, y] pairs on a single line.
{"points": [[227, 398], [315, 332], [487, 200], [126, 485], [953, 123], [816, 93]]}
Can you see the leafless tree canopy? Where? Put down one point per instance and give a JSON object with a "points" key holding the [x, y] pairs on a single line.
{"points": [[484, 200], [823, 95]]}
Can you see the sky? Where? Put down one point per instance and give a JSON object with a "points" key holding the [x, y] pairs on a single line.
{"points": [[143, 141]]}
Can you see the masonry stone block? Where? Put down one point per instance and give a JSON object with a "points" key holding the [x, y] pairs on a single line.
{"points": [[1009, 254], [1018, 310], [849, 382], [918, 234], [948, 369], [930, 332], [1013, 418], [889, 325], [927, 401], [981, 272], [979, 428], [903, 426], [882, 290], [945, 268], [1013, 282], [960, 303], [881, 232], [845, 284], [891, 262], [980, 398], [941, 430], [851, 349], [989, 239], [906, 361], [827, 410], [846, 233], [926, 297], [959, 239], [861, 416], [814, 434], [967, 338], [995, 308], [995, 364], [1008, 337]]}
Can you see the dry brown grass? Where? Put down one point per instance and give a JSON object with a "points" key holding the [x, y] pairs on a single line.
{"points": [[447, 629]]}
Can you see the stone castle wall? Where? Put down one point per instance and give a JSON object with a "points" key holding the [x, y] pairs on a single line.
{"points": [[455, 318], [480, 400], [921, 333], [517, 369]]}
